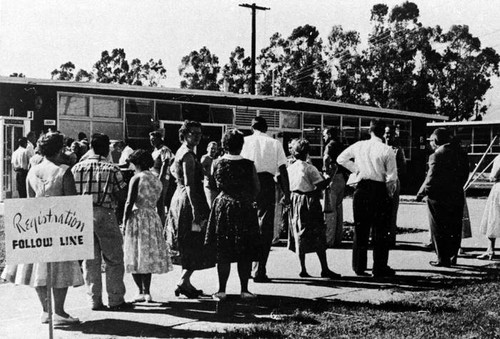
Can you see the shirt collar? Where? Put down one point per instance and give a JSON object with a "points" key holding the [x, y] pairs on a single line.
{"points": [[232, 157], [257, 132], [375, 138]]}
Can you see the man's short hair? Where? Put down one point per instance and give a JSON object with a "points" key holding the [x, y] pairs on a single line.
{"points": [[440, 136], [259, 123], [156, 134], [23, 141], [377, 126], [100, 144]]}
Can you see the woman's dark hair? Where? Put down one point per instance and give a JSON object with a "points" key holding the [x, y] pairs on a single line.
{"points": [[50, 144], [232, 140], [300, 149], [185, 128], [142, 158]]}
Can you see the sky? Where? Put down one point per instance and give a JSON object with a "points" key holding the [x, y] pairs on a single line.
{"points": [[37, 36]]}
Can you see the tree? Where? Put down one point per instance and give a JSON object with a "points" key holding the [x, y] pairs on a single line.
{"points": [[465, 73], [272, 66], [237, 72], [390, 68], [17, 75], [200, 70], [343, 60], [65, 72], [114, 68]]}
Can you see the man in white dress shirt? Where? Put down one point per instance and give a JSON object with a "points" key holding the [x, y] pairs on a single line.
{"points": [[270, 160], [376, 174], [20, 163]]}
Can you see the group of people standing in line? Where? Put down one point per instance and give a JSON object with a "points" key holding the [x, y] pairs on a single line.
{"points": [[222, 210]]}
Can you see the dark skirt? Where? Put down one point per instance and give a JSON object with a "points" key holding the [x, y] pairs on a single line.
{"points": [[307, 230], [186, 246], [233, 230]]}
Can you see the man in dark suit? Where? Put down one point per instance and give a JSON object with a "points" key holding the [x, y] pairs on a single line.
{"points": [[443, 186]]}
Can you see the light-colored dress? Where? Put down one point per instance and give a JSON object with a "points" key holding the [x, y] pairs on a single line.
{"points": [[46, 179], [307, 231], [490, 222], [145, 248]]}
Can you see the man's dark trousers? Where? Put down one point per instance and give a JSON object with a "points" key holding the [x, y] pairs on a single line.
{"points": [[445, 219], [21, 175], [371, 207], [265, 210]]}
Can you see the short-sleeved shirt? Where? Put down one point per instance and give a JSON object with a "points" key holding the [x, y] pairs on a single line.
{"points": [[373, 160], [20, 159], [303, 177], [266, 153], [161, 155], [99, 178]]}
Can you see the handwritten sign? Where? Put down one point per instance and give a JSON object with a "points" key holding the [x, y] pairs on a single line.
{"points": [[49, 229]]}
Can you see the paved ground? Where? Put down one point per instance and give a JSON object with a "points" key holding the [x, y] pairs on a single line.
{"points": [[169, 316]]}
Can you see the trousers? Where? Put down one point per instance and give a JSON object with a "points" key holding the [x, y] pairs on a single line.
{"points": [[108, 244], [445, 220], [265, 212], [372, 211]]}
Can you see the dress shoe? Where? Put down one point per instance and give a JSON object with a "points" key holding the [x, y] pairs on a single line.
{"points": [[262, 279], [304, 275], [219, 296], [190, 293], [121, 307], [385, 272], [439, 264], [98, 307], [248, 296], [330, 275], [362, 273], [60, 320]]}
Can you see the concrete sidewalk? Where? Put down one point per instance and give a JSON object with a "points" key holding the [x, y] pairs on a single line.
{"points": [[169, 316]]}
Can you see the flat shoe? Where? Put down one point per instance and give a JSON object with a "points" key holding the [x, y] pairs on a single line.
{"points": [[438, 264], [247, 296], [261, 279], [44, 318], [121, 307], [330, 275], [139, 298], [304, 275], [98, 307], [219, 296], [58, 320]]}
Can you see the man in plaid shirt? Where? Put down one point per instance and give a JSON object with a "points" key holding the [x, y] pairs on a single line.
{"points": [[103, 180]]}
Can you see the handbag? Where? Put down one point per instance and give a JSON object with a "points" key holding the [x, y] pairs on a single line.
{"points": [[327, 200]]}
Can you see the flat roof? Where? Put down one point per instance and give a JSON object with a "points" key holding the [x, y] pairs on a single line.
{"points": [[463, 123], [229, 95]]}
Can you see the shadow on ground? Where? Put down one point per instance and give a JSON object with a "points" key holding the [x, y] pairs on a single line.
{"points": [[270, 308]]}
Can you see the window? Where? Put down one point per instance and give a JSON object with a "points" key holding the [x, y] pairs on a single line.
{"points": [[221, 115], [168, 111], [139, 118], [350, 130], [290, 120], [106, 108], [70, 105]]}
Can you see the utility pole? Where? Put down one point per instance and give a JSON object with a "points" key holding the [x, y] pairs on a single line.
{"points": [[254, 8]]}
